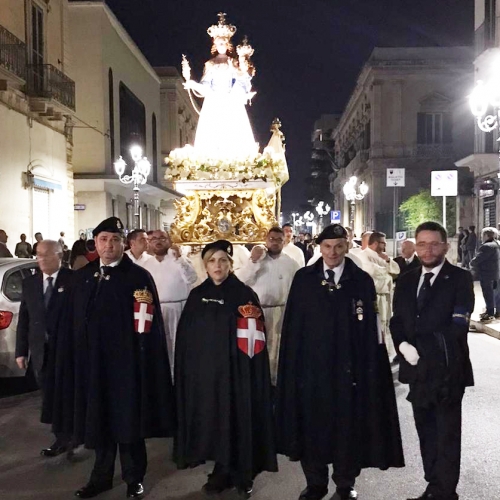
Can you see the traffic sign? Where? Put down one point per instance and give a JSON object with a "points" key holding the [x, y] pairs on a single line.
{"points": [[444, 182], [335, 216], [395, 177]]}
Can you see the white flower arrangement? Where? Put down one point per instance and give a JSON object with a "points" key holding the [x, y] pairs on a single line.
{"points": [[186, 164]]}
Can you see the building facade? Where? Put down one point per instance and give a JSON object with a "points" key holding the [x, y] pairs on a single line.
{"points": [[408, 110], [118, 104], [37, 104], [484, 160]]}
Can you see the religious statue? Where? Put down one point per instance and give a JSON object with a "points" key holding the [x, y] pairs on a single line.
{"points": [[224, 130]]}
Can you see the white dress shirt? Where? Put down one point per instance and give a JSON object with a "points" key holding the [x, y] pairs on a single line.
{"points": [[295, 253], [434, 271], [46, 283], [337, 271], [140, 261]]}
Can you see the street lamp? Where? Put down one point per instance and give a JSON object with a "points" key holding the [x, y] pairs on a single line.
{"points": [[353, 194], [295, 215], [485, 103], [322, 209], [139, 176]]}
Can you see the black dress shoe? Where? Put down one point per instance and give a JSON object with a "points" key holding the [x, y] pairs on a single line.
{"points": [[347, 493], [54, 450], [91, 490], [313, 493], [245, 491], [135, 490], [216, 484]]}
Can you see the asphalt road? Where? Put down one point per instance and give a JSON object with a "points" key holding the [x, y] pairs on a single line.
{"points": [[26, 475]]}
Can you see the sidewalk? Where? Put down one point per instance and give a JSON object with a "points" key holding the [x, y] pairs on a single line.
{"points": [[492, 328]]}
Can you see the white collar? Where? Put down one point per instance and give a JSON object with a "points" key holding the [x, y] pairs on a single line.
{"points": [[337, 270], [113, 264], [434, 270], [53, 275]]}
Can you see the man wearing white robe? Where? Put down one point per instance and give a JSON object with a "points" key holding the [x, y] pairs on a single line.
{"points": [[174, 276], [269, 272], [290, 248], [137, 240], [382, 269]]}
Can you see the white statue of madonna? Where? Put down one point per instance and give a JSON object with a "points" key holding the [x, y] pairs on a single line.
{"points": [[224, 130]]}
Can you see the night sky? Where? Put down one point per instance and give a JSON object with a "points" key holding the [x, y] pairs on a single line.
{"points": [[308, 53]]}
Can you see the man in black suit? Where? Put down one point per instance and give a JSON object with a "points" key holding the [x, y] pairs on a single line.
{"points": [[432, 308], [486, 266], [39, 314], [407, 260]]}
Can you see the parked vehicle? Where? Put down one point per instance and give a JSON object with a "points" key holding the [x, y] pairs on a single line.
{"points": [[12, 273]]}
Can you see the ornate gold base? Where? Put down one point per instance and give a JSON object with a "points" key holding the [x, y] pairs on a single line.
{"points": [[234, 214]]}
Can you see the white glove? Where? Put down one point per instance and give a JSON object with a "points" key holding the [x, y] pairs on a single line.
{"points": [[409, 352]]}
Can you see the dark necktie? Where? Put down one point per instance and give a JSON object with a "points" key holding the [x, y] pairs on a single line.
{"points": [[105, 270], [331, 276], [423, 293], [48, 291]]}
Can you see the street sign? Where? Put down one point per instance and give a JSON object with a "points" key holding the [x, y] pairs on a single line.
{"points": [[80, 206], [335, 216], [395, 177], [444, 182], [401, 235]]}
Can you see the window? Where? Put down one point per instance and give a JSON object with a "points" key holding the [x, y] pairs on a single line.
{"points": [[132, 123], [434, 128], [113, 207], [489, 211], [37, 46], [111, 115], [13, 286], [155, 148], [489, 23]]}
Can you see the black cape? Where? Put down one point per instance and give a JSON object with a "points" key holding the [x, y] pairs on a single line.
{"points": [[336, 402], [112, 383], [223, 396]]}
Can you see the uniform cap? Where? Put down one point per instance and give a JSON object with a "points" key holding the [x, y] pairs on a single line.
{"points": [[223, 245], [110, 225], [332, 232]]}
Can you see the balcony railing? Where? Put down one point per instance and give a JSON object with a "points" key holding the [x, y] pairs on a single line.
{"points": [[45, 80], [12, 53]]}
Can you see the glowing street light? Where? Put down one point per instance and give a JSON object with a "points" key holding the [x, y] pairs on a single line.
{"points": [[322, 210], [139, 176], [354, 193]]}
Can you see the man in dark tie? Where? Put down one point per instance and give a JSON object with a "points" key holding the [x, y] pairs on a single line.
{"points": [[39, 315], [432, 308], [117, 357], [408, 260]]}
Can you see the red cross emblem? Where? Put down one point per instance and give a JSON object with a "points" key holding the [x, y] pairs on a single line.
{"points": [[251, 337], [143, 317]]}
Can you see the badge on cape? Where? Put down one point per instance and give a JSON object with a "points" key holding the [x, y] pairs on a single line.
{"points": [[250, 330], [143, 310]]}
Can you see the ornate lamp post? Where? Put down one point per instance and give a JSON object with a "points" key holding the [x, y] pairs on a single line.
{"points": [[139, 176], [485, 103], [354, 193], [322, 209], [295, 215]]}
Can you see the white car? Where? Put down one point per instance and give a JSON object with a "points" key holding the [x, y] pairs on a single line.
{"points": [[12, 273]]}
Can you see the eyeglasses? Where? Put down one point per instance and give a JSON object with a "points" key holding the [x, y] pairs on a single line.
{"points": [[433, 245]]}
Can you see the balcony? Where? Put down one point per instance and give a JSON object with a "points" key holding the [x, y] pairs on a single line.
{"points": [[12, 59], [51, 92]]}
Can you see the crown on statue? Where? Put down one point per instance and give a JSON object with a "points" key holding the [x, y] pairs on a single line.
{"points": [[245, 49], [221, 29], [144, 296], [250, 311]]}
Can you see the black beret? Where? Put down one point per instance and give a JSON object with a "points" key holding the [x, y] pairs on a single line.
{"points": [[110, 225], [223, 245], [332, 232]]}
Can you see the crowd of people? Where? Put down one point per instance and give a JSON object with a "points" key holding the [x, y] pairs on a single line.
{"points": [[240, 355]]}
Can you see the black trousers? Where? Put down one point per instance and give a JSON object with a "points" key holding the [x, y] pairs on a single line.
{"points": [[317, 475], [133, 459], [439, 430]]}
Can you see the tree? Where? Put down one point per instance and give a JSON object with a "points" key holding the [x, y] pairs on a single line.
{"points": [[423, 207]]}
